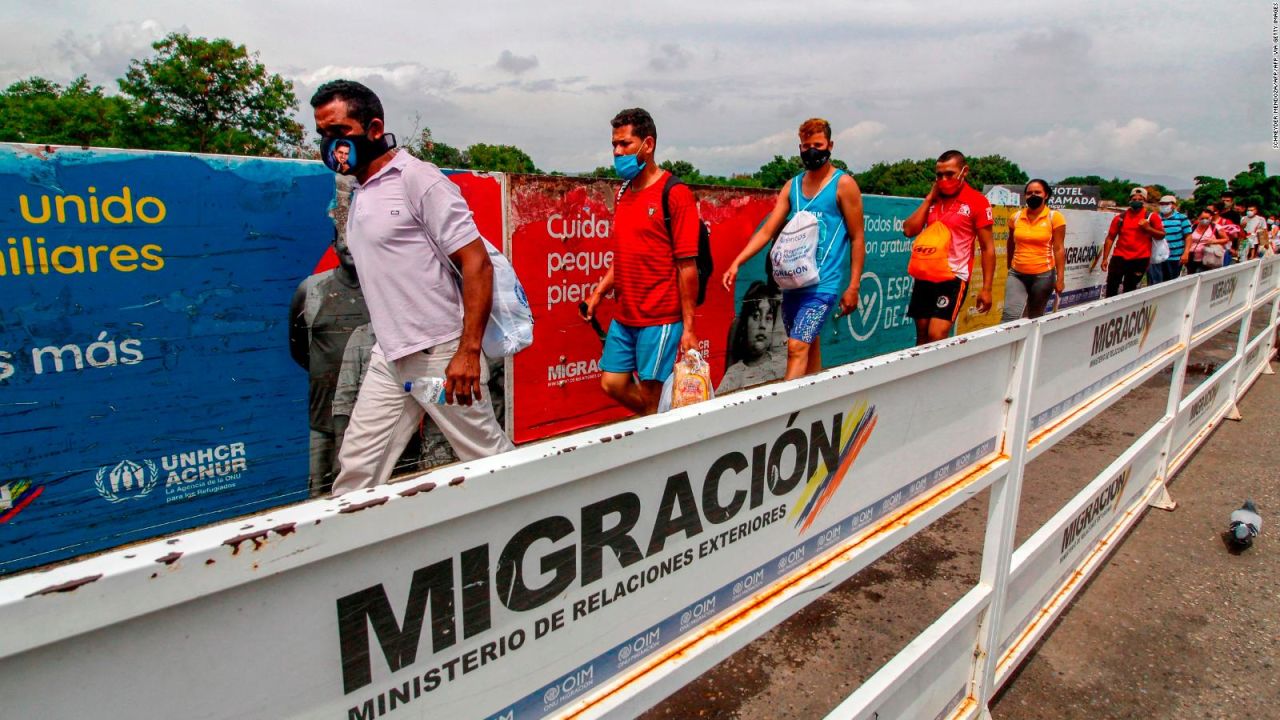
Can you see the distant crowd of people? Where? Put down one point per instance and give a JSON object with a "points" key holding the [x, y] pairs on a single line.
{"points": [[419, 305], [1159, 246]]}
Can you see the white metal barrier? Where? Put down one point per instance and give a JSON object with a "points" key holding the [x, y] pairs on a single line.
{"points": [[593, 575]]}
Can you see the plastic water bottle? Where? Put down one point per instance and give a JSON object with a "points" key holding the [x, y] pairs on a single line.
{"points": [[427, 390]]}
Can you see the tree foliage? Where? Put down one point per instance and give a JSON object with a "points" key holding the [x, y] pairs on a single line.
{"points": [[36, 110], [906, 178], [425, 147], [994, 170], [1250, 187], [205, 95], [499, 158]]}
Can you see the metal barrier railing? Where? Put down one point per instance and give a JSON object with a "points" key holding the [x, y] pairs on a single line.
{"points": [[592, 575]]}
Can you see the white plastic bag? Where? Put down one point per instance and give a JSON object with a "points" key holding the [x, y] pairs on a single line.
{"points": [[1159, 250], [689, 383], [794, 255], [510, 326]]}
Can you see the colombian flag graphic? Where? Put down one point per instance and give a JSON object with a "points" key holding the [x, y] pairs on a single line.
{"points": [[825, 481]]}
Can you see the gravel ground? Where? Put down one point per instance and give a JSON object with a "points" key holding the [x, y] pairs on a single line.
{"points": [[1173, 627]]}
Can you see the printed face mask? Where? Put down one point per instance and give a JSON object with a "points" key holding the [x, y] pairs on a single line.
{"points": [[350, 154], [813, 158]]}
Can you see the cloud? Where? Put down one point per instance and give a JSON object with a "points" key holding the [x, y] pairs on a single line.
{"points": [[516, 64], [1135, 145], [865, 131], [670, 57], [400, 76], [106, 53], [718, 158], [542, 85]]}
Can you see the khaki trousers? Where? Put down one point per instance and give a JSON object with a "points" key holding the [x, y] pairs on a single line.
{"points": [[385, 417]]}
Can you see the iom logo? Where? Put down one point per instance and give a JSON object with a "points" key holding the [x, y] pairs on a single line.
{"points": [[128, 480]]}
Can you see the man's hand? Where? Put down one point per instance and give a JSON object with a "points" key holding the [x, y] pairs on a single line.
{"points": [[1059, 285], [730, 276], [589, 310], [984, 300], [1105, 262], [849, 300], [688, 341], [462, 377]]}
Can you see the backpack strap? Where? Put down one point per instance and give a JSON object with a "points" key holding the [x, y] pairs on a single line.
{"points": [[671, 182]]}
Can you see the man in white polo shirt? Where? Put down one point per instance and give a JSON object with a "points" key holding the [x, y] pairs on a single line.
{"points": [[407, 221]]}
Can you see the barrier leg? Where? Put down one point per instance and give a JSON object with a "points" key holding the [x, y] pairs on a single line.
{"points": [[1002, 520], [1242, 342], [1177, 382], [1271, 333]]}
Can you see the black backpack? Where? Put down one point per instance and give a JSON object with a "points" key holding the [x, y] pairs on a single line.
{"points": [[704, 262]]}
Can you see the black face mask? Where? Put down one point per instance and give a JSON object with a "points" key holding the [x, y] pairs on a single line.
{"points": [[1034, 202], [350, 154], [1136, 204], [814, 158]]}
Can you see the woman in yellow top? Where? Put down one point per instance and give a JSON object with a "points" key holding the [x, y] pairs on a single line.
{"points": [[1036, 256]]}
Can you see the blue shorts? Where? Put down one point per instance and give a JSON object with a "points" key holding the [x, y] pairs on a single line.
{"points": [[804, 312], [649, 352]]}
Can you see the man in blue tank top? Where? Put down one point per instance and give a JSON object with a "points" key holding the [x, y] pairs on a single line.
{"points": [[831, 195]]}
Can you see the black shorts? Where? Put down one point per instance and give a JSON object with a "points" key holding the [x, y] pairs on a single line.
{"points": [[940, 300]]}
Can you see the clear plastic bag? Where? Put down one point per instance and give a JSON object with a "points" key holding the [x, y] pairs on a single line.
{"points": [[689, 383]]}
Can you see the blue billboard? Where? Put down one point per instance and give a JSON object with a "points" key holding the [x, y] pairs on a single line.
{"points": [[146, 384]]}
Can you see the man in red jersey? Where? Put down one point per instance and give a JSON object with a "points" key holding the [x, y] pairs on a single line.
{"points": [[966, 216], [1131, 233], [654, 271]]}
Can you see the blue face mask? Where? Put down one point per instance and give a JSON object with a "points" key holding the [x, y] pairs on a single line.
{"points": [[627, 166]]}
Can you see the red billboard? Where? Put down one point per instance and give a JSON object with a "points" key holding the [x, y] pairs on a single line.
{"points": [[561, 243]]}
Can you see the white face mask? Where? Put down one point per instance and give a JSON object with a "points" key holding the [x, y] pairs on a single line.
{"points": [[1250, 214], [1165, 209]]}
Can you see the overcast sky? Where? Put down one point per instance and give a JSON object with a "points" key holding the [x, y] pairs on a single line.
{"points": [[1158, 91]]}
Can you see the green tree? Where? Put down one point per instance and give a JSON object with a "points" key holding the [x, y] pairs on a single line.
{"points": [[776, 172], [425, 147], [36, 110], [499, 158], [995, 170], [205, 95], [1254, 186], [1209, 189], [905, 178], [681, 169]]}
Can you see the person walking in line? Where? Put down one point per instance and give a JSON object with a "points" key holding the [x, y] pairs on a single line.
{"points": [[832, 196], [1131, 234], [1176, 229], [654, 270], [1207, 245], [410, 231], [1036, 254], [1254, 227], [953, 222]]}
